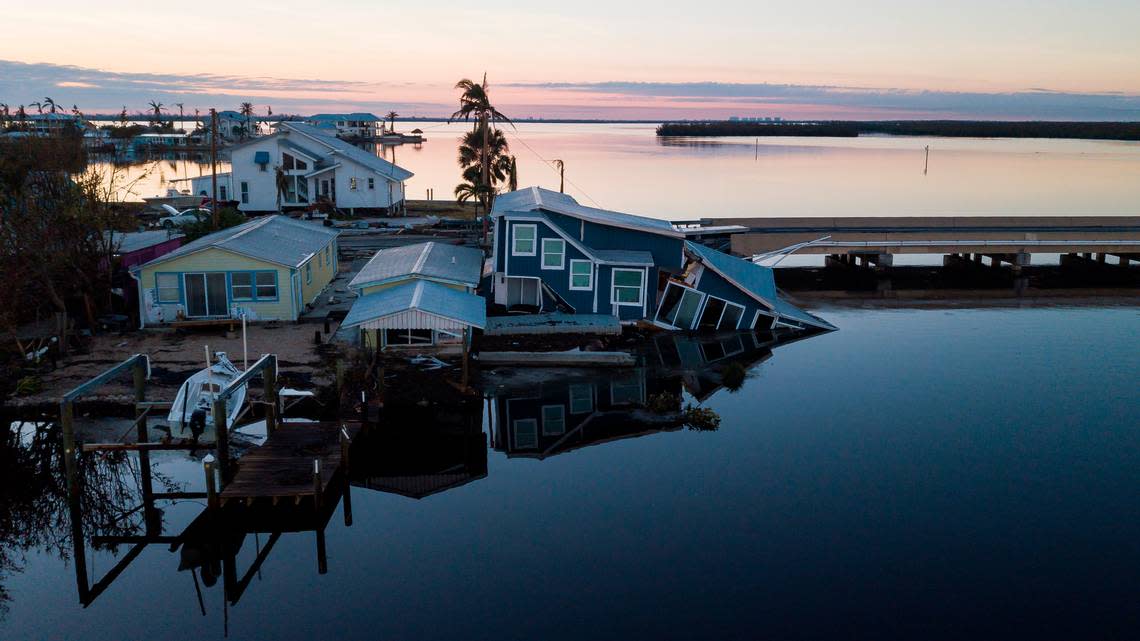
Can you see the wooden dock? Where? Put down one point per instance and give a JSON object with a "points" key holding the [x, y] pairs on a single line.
{"points": [[297, 461]]}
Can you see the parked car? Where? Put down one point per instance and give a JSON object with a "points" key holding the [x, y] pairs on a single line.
{"points": [[184, 217]]}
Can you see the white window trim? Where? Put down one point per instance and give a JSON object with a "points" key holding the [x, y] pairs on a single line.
{"points": [[640, 289], [700, 306], [709, 297], [562, 255], [739, 320], [587, 288], [515, 432], [589, 397], [534, 229], [562, 413]]}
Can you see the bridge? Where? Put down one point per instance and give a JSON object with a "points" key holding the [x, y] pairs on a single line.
{"points": [[873, 241]]}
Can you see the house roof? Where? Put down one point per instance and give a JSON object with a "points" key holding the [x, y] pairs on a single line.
{"points": [[421, 295], [348, 150], [357, 115], [624, 256], [127, 242], [537, 198], [273, 239], [441, 261], [755, 280]]}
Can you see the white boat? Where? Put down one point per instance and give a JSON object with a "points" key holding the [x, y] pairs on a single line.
{"points": [[179, 199], [193, 406]]}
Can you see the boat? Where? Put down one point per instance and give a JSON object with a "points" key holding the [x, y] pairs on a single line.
{"points": [[178, 199], [194, 404]]}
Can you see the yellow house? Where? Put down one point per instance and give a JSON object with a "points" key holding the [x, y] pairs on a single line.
{"points": [[269, 268]]}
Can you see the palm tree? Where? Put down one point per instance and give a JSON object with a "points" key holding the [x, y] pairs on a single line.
{"points": [[22, 116], [48, 102], [156, 107], [282, 180], [181, 124], [246, 110], [38, 105], [475, 102], [3, 115], [513, 175], [391, 116], [469, 190]]}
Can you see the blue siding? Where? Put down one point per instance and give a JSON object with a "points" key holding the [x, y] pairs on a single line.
{"points": [[667, 252], [712, 284], [556, 279]]}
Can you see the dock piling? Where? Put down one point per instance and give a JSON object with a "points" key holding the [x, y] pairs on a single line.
{"points": [[211, 482]]}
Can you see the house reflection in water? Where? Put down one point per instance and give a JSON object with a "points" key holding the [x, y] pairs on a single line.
{"points": [[542, 412]]}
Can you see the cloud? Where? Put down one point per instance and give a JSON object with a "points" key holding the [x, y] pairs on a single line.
{"points": [[1028, 104], [99, 90]]}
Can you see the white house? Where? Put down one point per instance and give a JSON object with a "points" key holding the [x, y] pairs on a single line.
{"points": [[317, 167], [353, 125], [231, 124]]}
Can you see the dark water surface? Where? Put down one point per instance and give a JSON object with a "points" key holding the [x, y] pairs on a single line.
{"points": [[957, 473]]}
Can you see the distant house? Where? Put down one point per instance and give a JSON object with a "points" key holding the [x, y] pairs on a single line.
{"points": [[353, 125], [550, 253], [231, 124], [269, 268], [420, 295], [54, 123], [317, 168]]}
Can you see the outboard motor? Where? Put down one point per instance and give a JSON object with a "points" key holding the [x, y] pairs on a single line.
{"points": [[198, 423]]}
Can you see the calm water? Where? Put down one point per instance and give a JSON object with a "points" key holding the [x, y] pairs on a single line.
{"points": [[626, 167], [958, 473]]}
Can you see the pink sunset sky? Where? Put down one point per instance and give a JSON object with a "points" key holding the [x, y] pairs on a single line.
{"points": [[629, 60]]}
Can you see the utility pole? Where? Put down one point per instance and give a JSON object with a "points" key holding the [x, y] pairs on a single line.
{"points": [[214, 165], [561, 176], [926, 163]]}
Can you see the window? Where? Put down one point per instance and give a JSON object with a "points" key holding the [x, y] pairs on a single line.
{"points": [[731, 317], [167, 289], [526, 434], [308, 272], [289, 163], [328, 254], [394, 337], [522, 241], [222, 192], [553, 420], [241, 285], [352, 183], [627, 391], [627, 287], [581, 399], [679, 306], [372, 183], [244, 192], [581, 274], [553, 253], [266, 285]]}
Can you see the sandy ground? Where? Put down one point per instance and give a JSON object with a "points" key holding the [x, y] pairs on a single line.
{"points": [[174, 355]]}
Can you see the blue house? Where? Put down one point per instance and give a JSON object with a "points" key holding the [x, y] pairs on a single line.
{"points": [[551, 253]]}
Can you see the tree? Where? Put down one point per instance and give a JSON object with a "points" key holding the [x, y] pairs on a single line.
{"points": [[123, 117], [48, 102], [475, 102], [3, 115], [513, 175], [39, 107], [156, 109], [181, 119], [391, 116], [246, 110], [281, 179], [22, 116]]}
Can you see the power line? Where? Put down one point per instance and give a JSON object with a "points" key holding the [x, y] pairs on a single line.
{"points": [[553, 168]]}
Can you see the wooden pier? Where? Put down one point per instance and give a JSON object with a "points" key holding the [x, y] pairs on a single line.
{"points": [[298, 461]]}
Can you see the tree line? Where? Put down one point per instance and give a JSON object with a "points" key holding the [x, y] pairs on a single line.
{"points": [[1099, 130]]}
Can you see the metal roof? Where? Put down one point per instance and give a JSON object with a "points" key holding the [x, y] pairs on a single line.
{"points": [[755, 280], [535, 198], [431, 299], [441, 261], [359, 115], [125, 243], [348, 150], [274, 239]]}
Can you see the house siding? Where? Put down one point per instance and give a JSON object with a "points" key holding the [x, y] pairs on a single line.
{"points": [[713, 284], [323, 273]]}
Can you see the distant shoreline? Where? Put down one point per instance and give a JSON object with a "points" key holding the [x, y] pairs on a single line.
{"points": [[941, 128]]}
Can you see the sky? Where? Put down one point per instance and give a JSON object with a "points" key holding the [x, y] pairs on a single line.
{"points": [[1047, 59]]}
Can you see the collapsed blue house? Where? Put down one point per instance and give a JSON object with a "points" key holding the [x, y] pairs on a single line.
{"points": [[550, 253]]}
